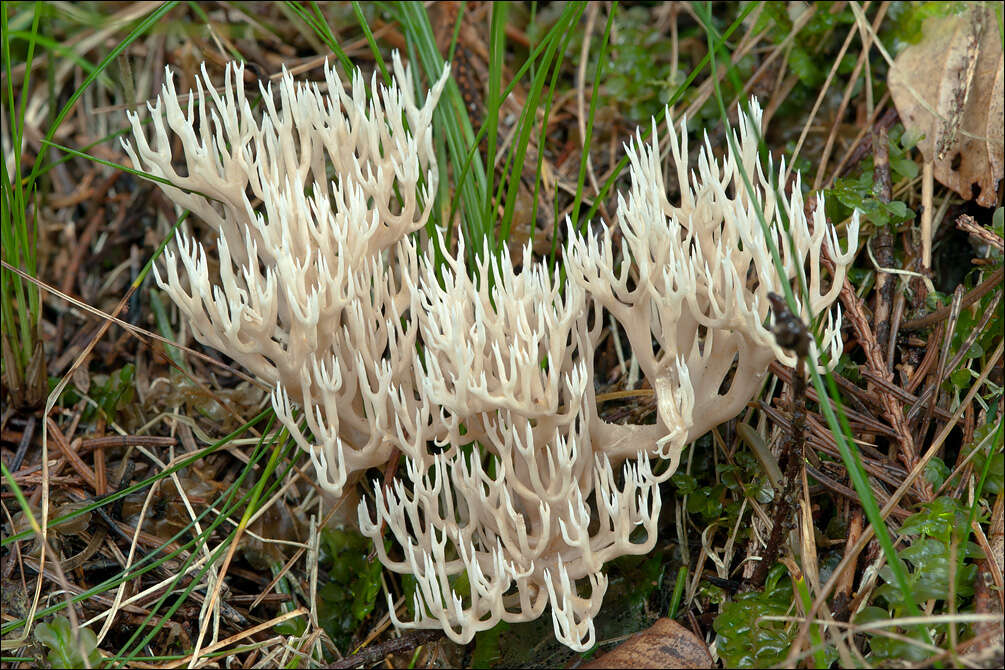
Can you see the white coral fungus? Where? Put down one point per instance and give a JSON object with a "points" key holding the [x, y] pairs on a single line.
{"points": [[483, 381]]}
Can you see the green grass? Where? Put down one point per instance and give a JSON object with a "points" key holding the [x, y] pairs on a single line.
{"points": [[19, 304]]}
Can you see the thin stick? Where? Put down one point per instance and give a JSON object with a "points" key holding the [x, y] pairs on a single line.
{"points": [[927, 186], [791, 333], [970, 298]]}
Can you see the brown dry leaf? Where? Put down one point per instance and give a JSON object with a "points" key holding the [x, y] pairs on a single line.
{"points": [[665, 644], [949, 88]]}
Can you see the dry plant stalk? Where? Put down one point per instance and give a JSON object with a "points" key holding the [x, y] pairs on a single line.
{"points": [[482, 380]]}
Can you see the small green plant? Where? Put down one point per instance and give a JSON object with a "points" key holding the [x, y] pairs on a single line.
{"points": [[640, 77], [353, 583], [716, 490], [817, 37], [109, 392], [935, 532], [857, 192], [66, 649]]}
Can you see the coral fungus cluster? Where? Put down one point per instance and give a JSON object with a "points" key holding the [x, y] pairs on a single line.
{"points": [[480, 378]]}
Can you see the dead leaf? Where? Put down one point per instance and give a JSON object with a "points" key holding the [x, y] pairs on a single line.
{"points": [[665, 644], [949, 88]]}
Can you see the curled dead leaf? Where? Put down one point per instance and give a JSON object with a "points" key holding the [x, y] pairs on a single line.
{"points": [[665, 644], [949, 88]]}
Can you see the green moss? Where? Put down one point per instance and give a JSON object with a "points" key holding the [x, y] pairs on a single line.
{"points": [[349, 595], [743, 639]]}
